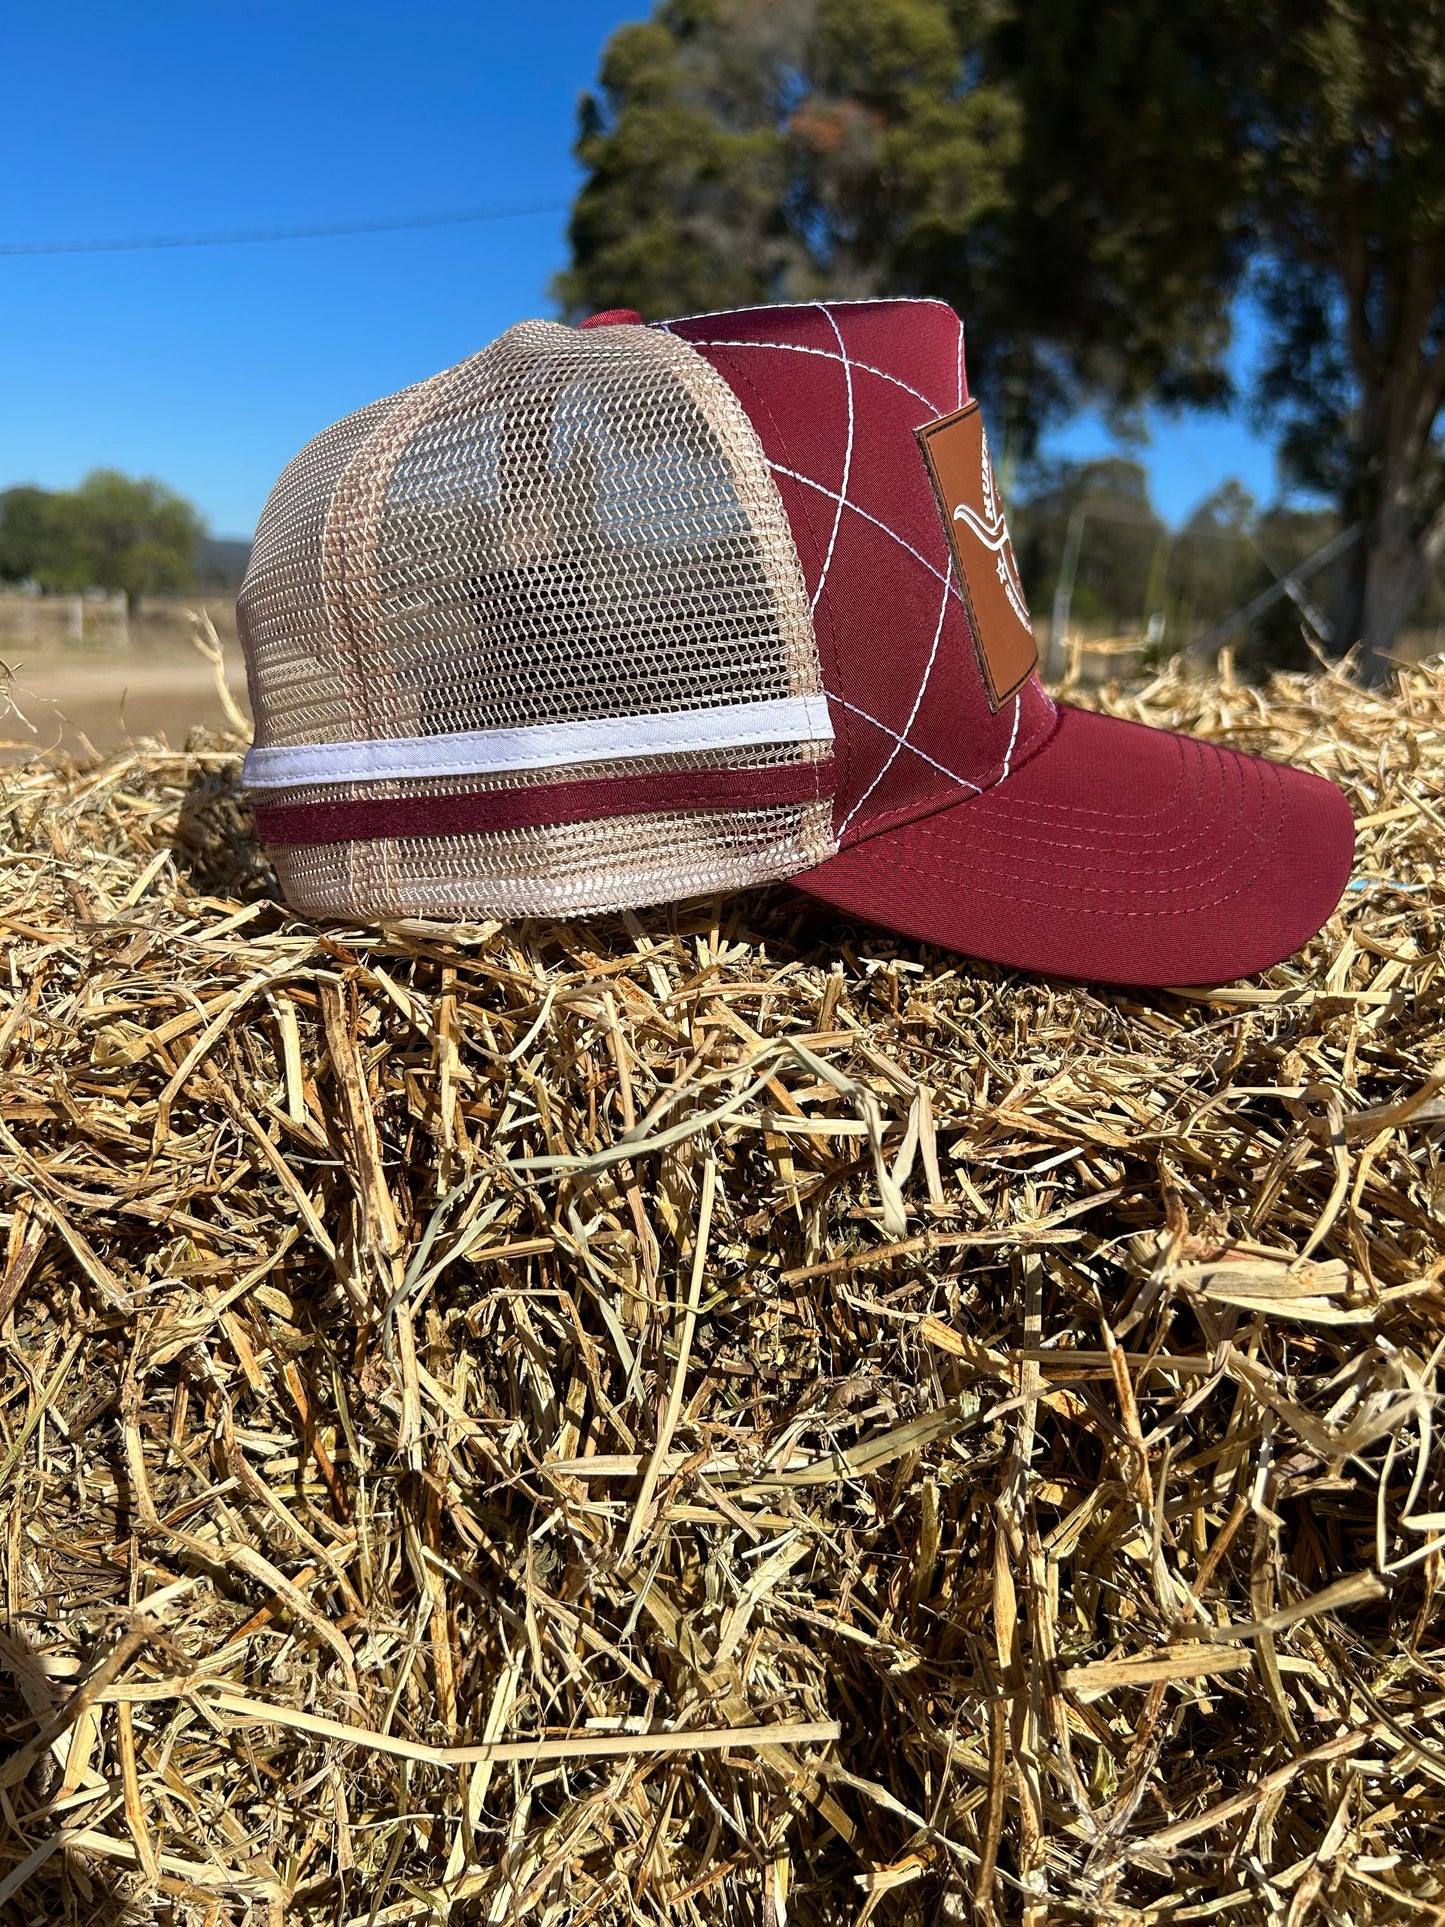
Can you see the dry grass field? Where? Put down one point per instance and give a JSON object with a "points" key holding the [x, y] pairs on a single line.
{"points": [[459, 1385]]}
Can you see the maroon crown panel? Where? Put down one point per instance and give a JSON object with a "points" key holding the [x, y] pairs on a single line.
{"points": [[836, 392]]}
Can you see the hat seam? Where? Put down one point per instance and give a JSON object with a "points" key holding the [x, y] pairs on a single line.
{"points": [[903, 742], [847, 457], [840, 301], [834, 676], [906, 813]]}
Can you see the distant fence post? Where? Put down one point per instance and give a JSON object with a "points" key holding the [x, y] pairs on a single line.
{"points": [[1064, 593], [75, 628], [120, 621]]}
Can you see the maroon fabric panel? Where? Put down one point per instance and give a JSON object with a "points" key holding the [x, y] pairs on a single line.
{"points": [[835, 393], [531, 805], [1119, 854], [1050, 840]]}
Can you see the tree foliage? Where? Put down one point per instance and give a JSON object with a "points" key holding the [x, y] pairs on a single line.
{"points": [[1294, 149], [1094, 184], [1352, 214], [744, 151], [1136, 574], [1116, 563], [113, 532]]}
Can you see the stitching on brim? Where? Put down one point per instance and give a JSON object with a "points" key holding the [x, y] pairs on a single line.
{"points": [[1153, 861], [1016, 895]]}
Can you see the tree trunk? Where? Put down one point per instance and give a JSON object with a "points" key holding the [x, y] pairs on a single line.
{"points": [[1383, 573], [1394, 576], [1348, 611], [1392, 309]]}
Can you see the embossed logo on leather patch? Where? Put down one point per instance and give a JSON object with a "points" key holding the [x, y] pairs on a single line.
{"points": [[956, 450]]}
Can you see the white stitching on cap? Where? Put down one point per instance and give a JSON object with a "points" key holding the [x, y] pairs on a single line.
{"points": [[847, 455], [933, 763], [903, 742], [847, 301], [1013, 737], [823, 354], [940, 575]]}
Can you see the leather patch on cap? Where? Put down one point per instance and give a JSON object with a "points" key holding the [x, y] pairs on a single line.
{"points": [[956, 449]]}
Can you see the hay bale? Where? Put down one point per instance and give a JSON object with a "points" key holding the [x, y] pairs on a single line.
{"points": [[570, 1338]]}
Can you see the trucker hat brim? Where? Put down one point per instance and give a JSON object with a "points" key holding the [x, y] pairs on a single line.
{"points": [[1116, 854]]}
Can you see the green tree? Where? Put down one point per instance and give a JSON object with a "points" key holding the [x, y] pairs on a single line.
{"points": [[777, 150], [1214, 566], [743, 151], [1121, 534], [1095, 184], [1295, 150], [39, 539], [113, 532], [1351, 210], [1226, 554], [138, 537]]}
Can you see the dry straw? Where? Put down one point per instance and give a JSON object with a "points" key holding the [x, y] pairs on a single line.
{"points": [[483, 1410]]}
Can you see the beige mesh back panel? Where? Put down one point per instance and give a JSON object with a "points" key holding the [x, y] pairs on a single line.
{"points": [[531, 638]]}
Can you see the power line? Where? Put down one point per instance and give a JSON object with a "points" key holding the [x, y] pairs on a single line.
{"points": [[243, 236]]}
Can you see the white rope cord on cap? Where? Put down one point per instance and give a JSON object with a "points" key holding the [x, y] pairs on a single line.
{"points": [[477, 752]]}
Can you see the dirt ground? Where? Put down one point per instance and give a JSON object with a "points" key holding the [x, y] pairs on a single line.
{"points": [[97, 694]]}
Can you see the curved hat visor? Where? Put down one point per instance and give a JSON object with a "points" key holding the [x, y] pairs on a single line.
{"points": [[1117, 854]]}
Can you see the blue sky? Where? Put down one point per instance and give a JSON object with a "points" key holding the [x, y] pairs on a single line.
{"points": [[209, 367]]}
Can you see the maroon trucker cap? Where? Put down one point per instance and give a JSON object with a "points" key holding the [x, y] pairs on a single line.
{"points": [[619, 615], [971, 810]]}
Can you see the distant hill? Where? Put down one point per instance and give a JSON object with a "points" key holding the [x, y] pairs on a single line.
{"points": [[221, 561]]}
